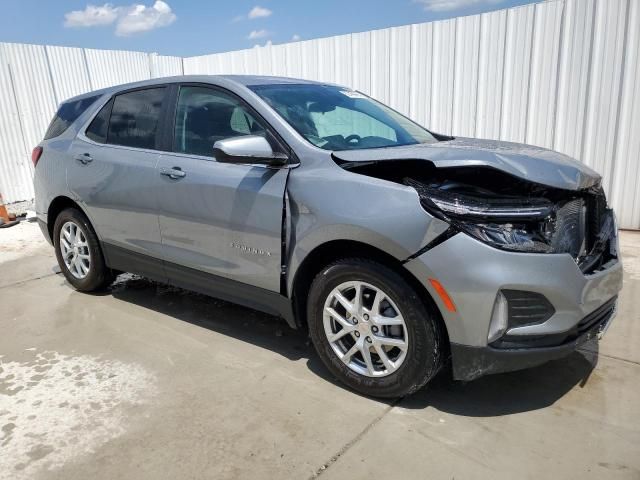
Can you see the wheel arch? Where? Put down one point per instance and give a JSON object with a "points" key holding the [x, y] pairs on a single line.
{"points": [[328, 252], [56, 206]]}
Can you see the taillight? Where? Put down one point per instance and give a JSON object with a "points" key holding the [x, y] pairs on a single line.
{"points": [[35, 155]]}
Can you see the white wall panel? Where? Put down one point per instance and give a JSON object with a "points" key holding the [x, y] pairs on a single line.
{"points": [[361, 55], [562, 74], [33, 90], [164, 66], [113, 67], [605, 81], [380, 57], [573, 79], [543, 78], [421, 72], [69, 72], [399, 67], [308, 58], [465, 80], [516, 75], [343, 60], [443, 76], [15, 161], [625, 177], [491, 56], [293, 52], [325, 60]]}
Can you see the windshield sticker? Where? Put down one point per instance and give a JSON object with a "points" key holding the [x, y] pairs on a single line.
{"points": [[352, 94]]}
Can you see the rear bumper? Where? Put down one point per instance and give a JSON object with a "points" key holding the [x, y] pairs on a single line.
{"points": [[470, 363], [42, 223]]}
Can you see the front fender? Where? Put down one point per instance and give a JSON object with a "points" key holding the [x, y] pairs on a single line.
{"points": [[328, 204]]}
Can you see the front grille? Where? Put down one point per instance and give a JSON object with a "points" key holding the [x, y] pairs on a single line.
{"points": [[600, 234], [570, 228], [596, 211]]}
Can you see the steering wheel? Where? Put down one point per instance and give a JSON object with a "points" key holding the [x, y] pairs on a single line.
{"points": [[353, 137]]}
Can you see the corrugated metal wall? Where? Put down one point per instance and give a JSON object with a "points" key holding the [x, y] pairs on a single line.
{"points": [[562, 74], [34, 79]]}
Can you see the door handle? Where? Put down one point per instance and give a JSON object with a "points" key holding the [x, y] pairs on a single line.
{"points": [[84, 158], [173, 173]]}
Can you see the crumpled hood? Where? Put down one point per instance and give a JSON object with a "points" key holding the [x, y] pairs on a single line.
{"points": [[530, 163]]}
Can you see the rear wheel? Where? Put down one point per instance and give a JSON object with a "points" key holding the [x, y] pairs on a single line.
{"points": [[78, 252], [372, 330]]}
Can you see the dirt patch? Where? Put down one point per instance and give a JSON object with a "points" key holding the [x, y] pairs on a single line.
{"points": [[55, 408]]}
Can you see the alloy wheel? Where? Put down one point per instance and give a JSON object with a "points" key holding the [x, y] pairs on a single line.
{"points": [[365, 329], [75, 250]]}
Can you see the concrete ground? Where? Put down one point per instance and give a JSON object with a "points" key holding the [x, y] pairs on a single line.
{"points": [[150, 382]]}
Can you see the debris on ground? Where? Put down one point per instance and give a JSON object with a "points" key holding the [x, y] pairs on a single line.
{"points": [[11, 223], [19, 209]]}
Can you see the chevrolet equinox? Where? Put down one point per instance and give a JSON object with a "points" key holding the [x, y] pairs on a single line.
{"points": [[399, 249]]}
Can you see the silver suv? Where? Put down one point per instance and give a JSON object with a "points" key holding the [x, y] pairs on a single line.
{"points": [[399, 249]]}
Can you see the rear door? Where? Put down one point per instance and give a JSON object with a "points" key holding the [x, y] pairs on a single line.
{"points": [[217, 218], [113, 171]]}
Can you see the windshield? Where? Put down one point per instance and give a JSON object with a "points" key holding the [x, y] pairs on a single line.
{"points": [[335, 118]]}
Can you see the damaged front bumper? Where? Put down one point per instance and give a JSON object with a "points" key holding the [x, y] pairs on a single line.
{"points": [[474, 274], [470, 363]]}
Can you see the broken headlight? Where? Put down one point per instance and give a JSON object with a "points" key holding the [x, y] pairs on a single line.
{"points": [[522, 224]]}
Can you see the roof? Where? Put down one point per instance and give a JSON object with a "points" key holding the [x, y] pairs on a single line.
{"points": [[245, 80]]}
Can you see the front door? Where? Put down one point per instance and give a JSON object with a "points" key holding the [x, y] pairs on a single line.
{"points": [[218, 218]]}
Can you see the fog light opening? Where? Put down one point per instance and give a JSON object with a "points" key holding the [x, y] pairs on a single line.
{"points": [[499, 318]]}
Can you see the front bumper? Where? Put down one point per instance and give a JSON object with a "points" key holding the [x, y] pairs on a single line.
{"points": [[473, 273], [473, 362]]}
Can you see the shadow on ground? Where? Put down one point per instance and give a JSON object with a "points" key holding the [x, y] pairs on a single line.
{"points": [[493, 395]]}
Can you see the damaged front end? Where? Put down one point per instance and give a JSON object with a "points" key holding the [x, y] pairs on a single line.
{"points": [[511, 213]]}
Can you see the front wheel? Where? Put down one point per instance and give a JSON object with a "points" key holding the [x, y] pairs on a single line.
{"points": [[372, 330]]}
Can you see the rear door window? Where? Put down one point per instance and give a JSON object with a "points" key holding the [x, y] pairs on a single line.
{"points": [[135, 118], [67, 114]]}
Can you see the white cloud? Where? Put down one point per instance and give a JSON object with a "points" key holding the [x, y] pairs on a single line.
{"points": [[295, 37], [255, 34], [139, 18], [255, 12], [129, 20], [258, 12], [91, 16], [448, 5]]}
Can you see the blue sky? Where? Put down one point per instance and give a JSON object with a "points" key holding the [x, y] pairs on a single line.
{"points": [[195, 27]]}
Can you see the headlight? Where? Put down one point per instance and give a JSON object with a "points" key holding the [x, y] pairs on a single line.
{"points": [[520, 224]]}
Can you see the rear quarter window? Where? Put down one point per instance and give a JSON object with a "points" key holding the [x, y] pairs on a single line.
{"points": [[99, 126], [67, 114]]}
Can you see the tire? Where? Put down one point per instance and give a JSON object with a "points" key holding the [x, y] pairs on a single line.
{"points": [[97, 275], [421, 332]]}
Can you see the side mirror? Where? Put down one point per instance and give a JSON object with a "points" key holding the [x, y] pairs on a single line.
{"points": [[247, 149]]}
